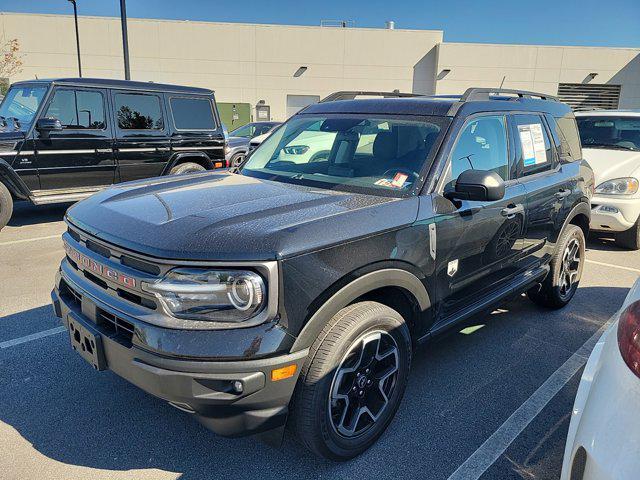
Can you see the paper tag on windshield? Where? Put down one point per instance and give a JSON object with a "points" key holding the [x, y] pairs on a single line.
{"points": [[399, 179]]}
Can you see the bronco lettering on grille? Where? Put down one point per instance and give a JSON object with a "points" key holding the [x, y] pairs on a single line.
{"points": [[97, 268]]}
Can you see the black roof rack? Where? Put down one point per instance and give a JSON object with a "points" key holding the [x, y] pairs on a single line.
{"points": [[485, 94], [352, 94]]}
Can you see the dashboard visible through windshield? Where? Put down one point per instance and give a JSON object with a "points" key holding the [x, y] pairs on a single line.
{"points": [[619, 133], [350, 152]]}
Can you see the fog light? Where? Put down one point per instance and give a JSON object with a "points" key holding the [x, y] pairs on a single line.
{"points": [[283, 372], [237, 386], [608, 209]]}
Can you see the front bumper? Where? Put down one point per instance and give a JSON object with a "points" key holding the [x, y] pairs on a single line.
{"points": [[203, 388], [614, 214]]}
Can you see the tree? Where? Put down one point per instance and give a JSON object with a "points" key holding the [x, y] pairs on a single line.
{"points": [[10, 62]]}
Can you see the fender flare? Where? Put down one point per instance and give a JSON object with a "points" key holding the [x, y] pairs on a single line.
{"points": [[177, 157], [387, 277], [583, 208], [13, 182]]}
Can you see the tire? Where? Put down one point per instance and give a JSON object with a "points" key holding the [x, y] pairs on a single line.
{"points": [[188, 167], [560, 285], [630, 239], [237, 159], [341, 430], [6, 206]]}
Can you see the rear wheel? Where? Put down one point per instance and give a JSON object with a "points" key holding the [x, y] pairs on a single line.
{"points": [[630, 239], [560, 285], [236, 160], [188, 167], [353, 381], [6, 205]]}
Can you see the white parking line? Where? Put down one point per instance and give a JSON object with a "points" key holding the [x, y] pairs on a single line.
{"points": [[611, 265], [14, 242], [33, 336], [503, 437]]}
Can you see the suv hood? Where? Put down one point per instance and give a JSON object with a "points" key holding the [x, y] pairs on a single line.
{"points": [[610, 164], [224, 217]]}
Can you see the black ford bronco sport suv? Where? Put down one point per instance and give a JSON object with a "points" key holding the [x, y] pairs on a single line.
{"points": [[295, 289], [62, 140]]}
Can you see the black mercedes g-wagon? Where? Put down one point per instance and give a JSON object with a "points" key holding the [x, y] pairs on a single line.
{"points": [[62, 140], [357, 231]]}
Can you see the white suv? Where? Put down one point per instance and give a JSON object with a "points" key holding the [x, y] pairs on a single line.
{"points": [[611, 145]]}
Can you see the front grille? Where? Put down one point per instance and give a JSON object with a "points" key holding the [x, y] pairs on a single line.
{"points": [[115, 327]]}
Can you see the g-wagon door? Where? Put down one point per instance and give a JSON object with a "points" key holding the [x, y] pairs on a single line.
{"points": [[80, 155], [142, 144], [478, 243]]}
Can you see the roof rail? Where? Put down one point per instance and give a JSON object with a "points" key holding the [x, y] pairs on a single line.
{"points": [[351, 94], [485, 94]]}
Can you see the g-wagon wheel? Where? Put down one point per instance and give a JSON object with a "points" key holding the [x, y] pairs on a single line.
{"points": [[353, 381], [566, 270], [6, 206], [188, 167]]}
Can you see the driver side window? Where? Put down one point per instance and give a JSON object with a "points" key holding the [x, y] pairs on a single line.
{"points": [[482, 145]]}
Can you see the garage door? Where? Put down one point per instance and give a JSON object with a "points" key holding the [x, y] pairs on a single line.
{"points": [[582, 96], [296, 103]]}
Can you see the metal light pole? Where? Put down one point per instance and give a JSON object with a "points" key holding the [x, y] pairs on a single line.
{"points": [[125, 39], [75, 17]]}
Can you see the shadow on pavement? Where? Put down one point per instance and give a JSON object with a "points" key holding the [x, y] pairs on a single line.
{"points": [[461, 389], [25, 213]]}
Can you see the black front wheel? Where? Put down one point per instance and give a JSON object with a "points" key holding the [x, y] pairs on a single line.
{"points": [[560, 285], [6, 206], [353, 381]]}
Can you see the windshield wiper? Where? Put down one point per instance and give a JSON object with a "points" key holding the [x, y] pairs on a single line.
{"points": [[612, 146]]}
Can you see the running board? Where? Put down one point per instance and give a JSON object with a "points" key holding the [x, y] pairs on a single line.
{"points": [[60, 197], [525, 281]]}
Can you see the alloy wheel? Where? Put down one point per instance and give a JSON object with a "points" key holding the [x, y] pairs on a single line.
{"points": [[570, 268], [363, 384]]}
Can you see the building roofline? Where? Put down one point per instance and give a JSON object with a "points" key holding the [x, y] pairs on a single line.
{"points": [[536, 45]]}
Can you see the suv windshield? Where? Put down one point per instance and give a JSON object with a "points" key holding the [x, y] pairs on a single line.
{"points": [[20, 106], [251, 130], [349, 152], [620, 133]]}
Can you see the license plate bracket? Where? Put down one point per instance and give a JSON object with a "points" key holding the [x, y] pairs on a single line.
{"points": [[87, 341]]}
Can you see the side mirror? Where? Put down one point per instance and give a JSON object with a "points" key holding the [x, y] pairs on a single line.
{"points": [[477, 185], [48, 124]]}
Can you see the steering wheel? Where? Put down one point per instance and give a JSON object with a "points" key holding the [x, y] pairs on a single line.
{"points": [[410, 173]]}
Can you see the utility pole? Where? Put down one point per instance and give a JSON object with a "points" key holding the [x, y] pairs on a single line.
{"points": [[125, 39], [75, 17]]}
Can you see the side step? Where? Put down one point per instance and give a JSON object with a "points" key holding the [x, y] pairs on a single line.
{"points": [[45, 198], [521, 284]]}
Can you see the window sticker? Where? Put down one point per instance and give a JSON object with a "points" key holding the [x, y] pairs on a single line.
{"points": [[398, 181], [534, 151]]}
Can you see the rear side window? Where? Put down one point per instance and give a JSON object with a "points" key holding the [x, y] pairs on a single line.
{"points": [[192, 113], [534, 150], [138, 111], [78, 109], [567, 129]]}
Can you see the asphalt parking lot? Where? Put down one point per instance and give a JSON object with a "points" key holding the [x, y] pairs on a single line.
{"points": [[490, 402]]}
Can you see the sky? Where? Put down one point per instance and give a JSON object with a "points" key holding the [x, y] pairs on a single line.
{"points": [[546, 22]]}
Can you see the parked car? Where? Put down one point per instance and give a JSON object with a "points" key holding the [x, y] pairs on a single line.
{"points": [[303, 298], [611, 145], [240, 140], [63, 140], [604, 433]]}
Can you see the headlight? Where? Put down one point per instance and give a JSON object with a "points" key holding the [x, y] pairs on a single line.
{"points": [[210, 295], [619, 186], [296, 149]]}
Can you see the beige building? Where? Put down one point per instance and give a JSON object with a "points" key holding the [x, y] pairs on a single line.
{"points": [[247, 63]]}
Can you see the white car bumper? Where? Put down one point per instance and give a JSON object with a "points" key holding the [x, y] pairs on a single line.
{"points": [[604, 434], [614, 214]]}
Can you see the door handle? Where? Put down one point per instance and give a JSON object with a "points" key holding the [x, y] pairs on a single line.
{"points": [[563, 193], [104, 150], [162, 149], [512, 210]]}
